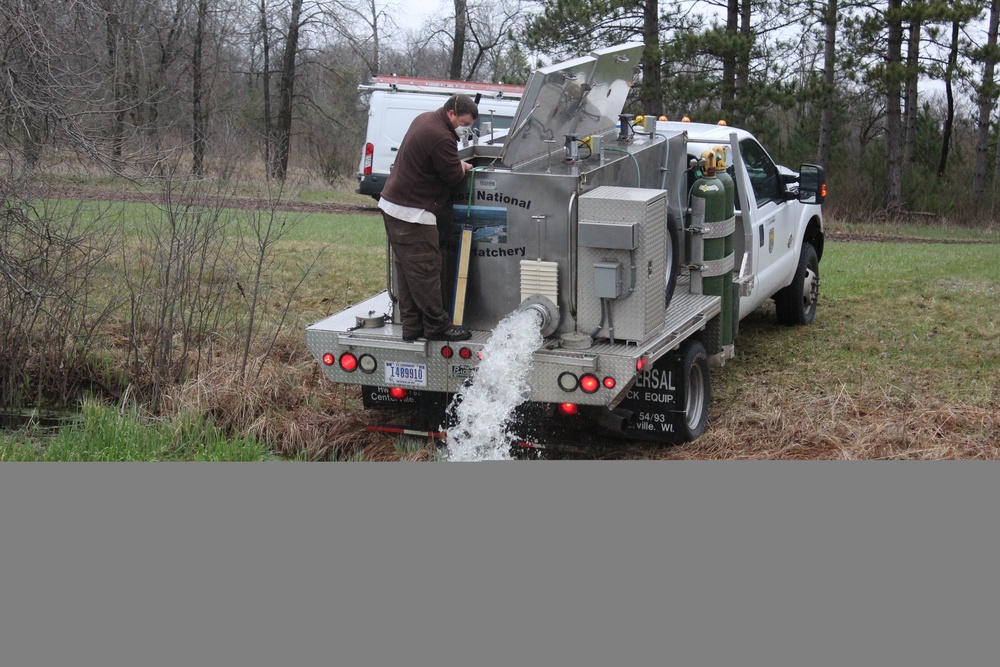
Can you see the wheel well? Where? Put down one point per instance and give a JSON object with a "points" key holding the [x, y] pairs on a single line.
{"points": [[814, 236]]}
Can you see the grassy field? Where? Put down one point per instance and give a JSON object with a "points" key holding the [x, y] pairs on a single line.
{"points": [[903, 361]]}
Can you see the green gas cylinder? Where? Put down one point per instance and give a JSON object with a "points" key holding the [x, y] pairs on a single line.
{"points": [[731, 304], [710, 188]]}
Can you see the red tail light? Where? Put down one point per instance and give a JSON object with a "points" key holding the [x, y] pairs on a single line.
{"points": [[369, 156], [589, 383], [329, 359], [447, 352], [609, 382], [568, 408], [348, 362], [398, 393]]}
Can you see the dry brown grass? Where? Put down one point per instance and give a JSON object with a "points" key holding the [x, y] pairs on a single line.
{"points": [[884, 425], [289, 406], [302, 416]]}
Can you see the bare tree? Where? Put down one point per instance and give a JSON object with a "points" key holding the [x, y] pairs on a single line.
{"points": [[286, 90], [830, 20], [458, 44], [199, 116], [362, 24]]}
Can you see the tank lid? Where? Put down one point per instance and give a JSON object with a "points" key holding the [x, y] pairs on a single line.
{"points": [[582, 96]]}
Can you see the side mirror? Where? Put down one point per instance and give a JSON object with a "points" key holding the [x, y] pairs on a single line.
{"points": [[812, 184]]}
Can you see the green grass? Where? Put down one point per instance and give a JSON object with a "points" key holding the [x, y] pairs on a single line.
{"points": [[917, 322], [921, 319], [918, 230], [104, 434]]}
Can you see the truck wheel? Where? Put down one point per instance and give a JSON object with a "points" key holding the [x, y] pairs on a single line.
{"points": [[796, 304], [696, 387]]}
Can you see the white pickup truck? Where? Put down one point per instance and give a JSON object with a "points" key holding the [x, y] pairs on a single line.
{"points": [[637, 259]]}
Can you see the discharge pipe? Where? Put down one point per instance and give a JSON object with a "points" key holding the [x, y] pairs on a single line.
{"points": [[546, 312]]}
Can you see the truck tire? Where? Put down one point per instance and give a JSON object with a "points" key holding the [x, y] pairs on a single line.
{"points": [[696, 391], [796, 304]]}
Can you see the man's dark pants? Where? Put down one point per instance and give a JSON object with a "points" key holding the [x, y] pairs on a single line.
{"points": [[417, 264]]}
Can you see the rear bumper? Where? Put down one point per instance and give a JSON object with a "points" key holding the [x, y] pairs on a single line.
{"points": [[447, 373], [371, 184]]}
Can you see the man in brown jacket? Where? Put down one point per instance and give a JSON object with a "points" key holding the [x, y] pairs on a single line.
{"points": [[418, 189]]}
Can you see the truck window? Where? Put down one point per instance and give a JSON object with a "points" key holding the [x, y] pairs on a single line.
{"points": [[763, 173]]}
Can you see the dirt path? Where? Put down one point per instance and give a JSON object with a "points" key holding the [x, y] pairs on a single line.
{"points": [[222, 201], [847, 237], [261, 204]]}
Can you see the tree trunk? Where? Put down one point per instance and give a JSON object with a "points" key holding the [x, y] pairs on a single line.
{"points": [[198, 117], [949, 74], [376, 48], [987, 96], [168, 51], [829, 82], [893, 126], [650, 93], [269, 166], [113, 44], [729, 58], [286, 91], [743, 63], [912, 74], [458, 50]]}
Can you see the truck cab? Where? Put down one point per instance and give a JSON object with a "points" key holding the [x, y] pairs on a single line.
{"points": [[778, 212]]}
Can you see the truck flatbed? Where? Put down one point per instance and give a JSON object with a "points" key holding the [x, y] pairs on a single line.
{"points": [[687, 314]]}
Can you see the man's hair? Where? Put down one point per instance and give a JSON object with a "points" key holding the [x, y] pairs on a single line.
{"points": [[462, 105]]}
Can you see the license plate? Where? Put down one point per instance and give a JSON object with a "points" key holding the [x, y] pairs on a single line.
{"points": [[461, 370], [406, 374]]}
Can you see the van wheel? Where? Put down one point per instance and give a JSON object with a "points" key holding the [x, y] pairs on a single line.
{"points": [[696, 386], [796, 304]]}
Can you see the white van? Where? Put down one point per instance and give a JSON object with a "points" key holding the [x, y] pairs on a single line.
{"points": [[395, 101]]}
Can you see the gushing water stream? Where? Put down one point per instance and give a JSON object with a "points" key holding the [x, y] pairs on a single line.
{"points": [[500, 385]]}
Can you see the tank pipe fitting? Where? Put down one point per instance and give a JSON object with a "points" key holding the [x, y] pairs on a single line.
{"points": [[638, 174]]}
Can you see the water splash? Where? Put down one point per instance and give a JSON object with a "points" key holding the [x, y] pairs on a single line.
{"points": [[485, 407]]}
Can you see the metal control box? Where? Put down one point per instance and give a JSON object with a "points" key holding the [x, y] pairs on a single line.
{"points": [[627, 227], [608, 282]]}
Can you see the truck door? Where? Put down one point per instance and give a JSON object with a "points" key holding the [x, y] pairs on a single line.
{"points": [[773, 228]]}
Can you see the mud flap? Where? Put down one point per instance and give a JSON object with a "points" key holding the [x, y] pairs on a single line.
{"points": [[419, 410], [669, 401]]}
